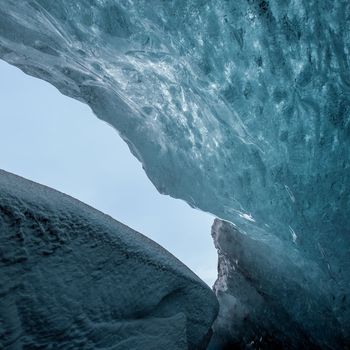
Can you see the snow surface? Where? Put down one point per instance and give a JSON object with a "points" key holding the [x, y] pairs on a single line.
{"points": [[74, 278]]}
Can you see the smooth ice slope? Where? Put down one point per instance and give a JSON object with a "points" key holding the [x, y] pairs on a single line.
{"points": [[72, 277], [241, 108]]}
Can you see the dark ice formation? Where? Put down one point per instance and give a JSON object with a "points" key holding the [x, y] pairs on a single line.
{"points": [[272, 297], [74, 278], [241, 108]]}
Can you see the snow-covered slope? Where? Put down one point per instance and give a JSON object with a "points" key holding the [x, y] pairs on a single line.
{"points": [[74, 278]]}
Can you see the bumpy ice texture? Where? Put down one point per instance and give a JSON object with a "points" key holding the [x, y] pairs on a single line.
{"points": [[241, 108], [74, 278]]}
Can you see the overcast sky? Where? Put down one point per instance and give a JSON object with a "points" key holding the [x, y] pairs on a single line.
{"points": [[57, 141]]}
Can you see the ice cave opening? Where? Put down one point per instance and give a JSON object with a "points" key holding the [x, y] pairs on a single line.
{"points": [[240, 108], [61, 144]]}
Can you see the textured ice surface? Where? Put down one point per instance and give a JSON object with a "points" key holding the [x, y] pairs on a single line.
{"points": [[248, 100], [74, 278], [241, 108]]}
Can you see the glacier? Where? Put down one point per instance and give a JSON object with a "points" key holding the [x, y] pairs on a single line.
{"points": [[74, 278], [242, 110]]}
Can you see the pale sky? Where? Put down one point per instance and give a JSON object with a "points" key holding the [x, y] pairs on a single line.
{"points": [[57, 141]]}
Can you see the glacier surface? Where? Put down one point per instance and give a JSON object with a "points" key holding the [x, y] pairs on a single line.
{"points": [[74, 278], [242, 109]]}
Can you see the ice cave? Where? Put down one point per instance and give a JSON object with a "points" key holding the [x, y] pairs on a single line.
{"points": [[241, 109]]}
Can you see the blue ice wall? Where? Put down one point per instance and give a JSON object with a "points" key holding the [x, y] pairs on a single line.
{"points": [[248, 98]]}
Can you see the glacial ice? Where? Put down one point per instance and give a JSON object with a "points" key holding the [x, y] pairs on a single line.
{"points": [[274, 297], [242, 109], [74, 278]]}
